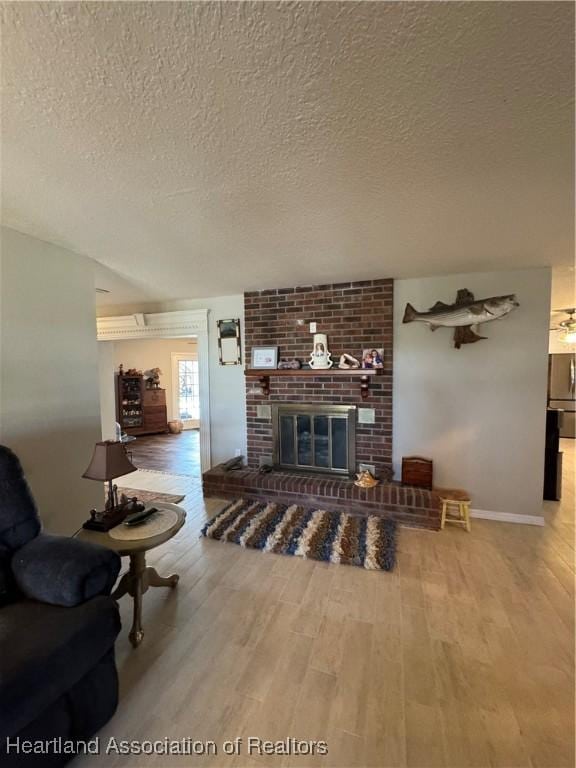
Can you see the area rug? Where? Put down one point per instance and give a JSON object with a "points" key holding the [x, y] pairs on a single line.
{"points": [[335, 537], [148, 497]]}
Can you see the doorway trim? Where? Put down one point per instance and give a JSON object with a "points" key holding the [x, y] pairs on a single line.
{"points": [[180, 324]]}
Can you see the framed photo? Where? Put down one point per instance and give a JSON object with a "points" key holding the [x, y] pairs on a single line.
{"points": [[373, 357], [264, 357], [229, 342]]}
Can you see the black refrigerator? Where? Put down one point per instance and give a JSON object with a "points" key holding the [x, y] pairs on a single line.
{"points": [[553, 455], [562, 390]]}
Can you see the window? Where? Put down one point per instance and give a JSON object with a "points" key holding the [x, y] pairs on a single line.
{"points": [[188, 395], [186, 387]]}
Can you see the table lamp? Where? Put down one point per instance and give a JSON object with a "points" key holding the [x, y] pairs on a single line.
{"points": [[108, 462]]}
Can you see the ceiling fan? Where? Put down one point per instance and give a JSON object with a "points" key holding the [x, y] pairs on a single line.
{"points": [[567, 327]]}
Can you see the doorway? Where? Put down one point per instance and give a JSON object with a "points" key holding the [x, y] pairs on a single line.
{"points": [[180, 324], [154, 386]]}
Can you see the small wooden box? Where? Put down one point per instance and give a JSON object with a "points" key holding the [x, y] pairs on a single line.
{"points": [[417, 471]]}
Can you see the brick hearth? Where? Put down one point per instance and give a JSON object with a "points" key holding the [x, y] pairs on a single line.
{"points": [[410, 506]]}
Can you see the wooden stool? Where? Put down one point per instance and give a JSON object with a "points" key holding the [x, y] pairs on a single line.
{"points": [[455, 507]]}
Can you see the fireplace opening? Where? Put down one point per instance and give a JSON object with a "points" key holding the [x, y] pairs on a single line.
{"points": [[315, 438]]}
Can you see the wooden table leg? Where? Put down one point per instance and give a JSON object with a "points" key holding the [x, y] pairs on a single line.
{"points": [[153, 579], [137, 633], [136, 589], [123, 587], [136, 583]]}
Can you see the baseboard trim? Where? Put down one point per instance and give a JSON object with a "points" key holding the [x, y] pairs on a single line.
{"points": [[507, 517]]}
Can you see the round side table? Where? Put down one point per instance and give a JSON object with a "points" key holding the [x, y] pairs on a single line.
{"points": [[139, 577]]}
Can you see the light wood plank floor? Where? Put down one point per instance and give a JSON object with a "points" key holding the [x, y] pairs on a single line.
{"points": [[463, 656]]}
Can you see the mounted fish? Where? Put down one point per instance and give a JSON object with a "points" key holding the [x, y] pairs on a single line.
{"points": [[463, 314]]}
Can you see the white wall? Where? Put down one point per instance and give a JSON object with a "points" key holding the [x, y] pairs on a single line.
{"points": [[107, 394], [49, 407], [227, 390], [478, 412]]}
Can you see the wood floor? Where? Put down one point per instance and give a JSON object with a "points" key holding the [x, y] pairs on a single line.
{"points": [[463, 656], [178, 454]]}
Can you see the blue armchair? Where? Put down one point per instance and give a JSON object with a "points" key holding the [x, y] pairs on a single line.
{"points": [[58, 625]]}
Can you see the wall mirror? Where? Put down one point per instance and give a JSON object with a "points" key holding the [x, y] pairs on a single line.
{"points": [[229, 342]]}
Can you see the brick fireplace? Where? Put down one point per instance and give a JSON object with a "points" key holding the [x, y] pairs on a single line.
{"points": [[355, 316]]}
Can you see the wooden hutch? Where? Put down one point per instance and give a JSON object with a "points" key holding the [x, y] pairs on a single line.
{"points": [[140, 410]]}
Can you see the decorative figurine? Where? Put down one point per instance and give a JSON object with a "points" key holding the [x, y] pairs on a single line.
{"points": [[153, 378], [366, 479], [320, 357], [289, 365], [347, 361], [131, 503], [464, 315]]}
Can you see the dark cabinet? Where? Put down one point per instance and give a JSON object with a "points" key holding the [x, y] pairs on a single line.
{"points": [[155, 416], [129, 405], [140, 411]]}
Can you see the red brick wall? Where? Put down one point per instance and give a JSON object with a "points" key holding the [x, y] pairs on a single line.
{"points": [[354, 316]]}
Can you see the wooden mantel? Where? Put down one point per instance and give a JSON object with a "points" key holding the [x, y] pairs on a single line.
{"points": [[263, 375]]}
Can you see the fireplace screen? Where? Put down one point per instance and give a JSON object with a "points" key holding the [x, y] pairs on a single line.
{"points": [[318, 438]]}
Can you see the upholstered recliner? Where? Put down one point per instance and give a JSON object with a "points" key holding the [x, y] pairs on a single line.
{"points": [[58, 626]]}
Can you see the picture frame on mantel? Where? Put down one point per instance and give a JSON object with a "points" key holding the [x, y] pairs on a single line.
{"points": [[229, 348], [264, 358]]}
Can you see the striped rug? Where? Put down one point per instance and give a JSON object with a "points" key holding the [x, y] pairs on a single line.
{"points": [[336, 537]]}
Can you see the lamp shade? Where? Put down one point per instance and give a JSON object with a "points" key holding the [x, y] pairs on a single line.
{"points": [[108, 461]]}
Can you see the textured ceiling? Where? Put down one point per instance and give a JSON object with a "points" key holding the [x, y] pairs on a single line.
{"points": [[207, 148]]}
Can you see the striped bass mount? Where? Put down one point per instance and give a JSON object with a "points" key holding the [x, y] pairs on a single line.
{"points": [[463, 314]]}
